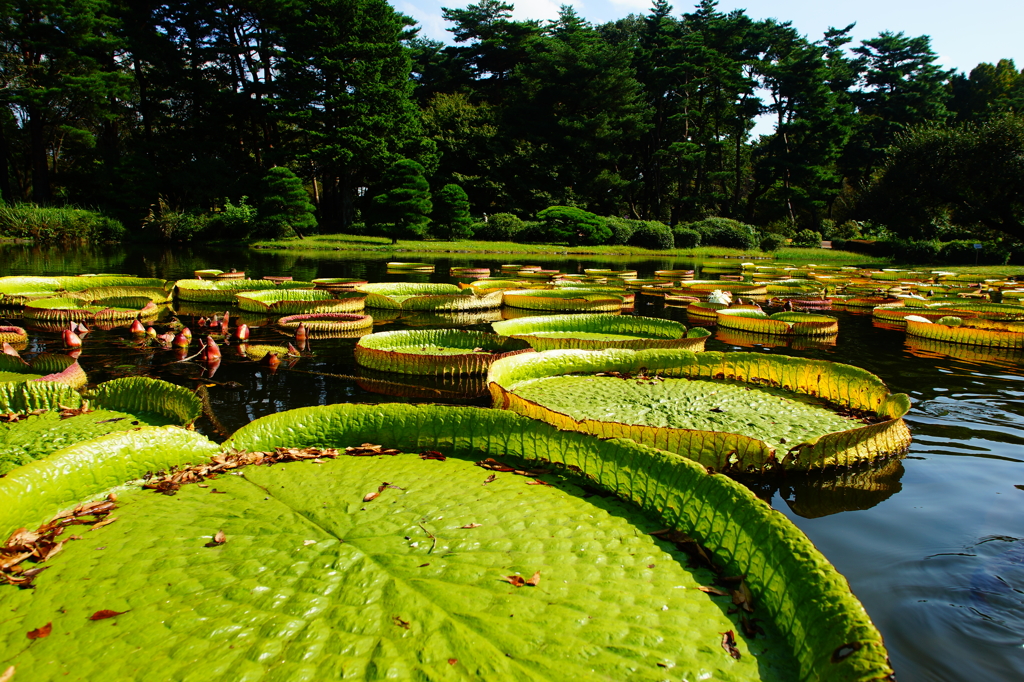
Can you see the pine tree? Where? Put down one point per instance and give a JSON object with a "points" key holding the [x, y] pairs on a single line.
{"points": [[286, 209], [451, 213], [402, 206]]}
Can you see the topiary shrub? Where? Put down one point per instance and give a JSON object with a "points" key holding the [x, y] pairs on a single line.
{"points": [[650, 234], [574, 225], [285, 209], [451, 214], [807, 238], [685, 238], [771, 242], [402, 204], [725, 232], [500, 227]]}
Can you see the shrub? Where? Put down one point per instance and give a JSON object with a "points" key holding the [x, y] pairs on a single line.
{"points": [[848, 230], [725, 232], [685, 238], [827, 228], [650, 234], [533, 231], [962, 252], [52, 224], [622, 230], [771, 242], [807, 238], [909, 251], [500, 227], [235, 221], [574, 225], [163, 223]]}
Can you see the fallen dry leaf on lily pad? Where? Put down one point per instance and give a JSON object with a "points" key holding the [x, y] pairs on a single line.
{"points": [[519, 581], [39, 633], [105, 613]]}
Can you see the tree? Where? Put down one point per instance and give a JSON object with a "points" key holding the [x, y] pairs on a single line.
{"points": [[451, 217], [969, 174], [902, 86], [344, 86], [401, 208], [574, 225], [988, 91], [285, 209]]}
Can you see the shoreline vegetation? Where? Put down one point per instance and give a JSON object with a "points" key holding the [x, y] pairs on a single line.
{"points": [[343, 242]]}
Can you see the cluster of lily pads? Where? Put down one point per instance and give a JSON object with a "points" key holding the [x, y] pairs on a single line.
{"points": [[428, 541]]}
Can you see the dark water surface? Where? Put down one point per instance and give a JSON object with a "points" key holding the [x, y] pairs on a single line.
{"points": [[933, 544]]}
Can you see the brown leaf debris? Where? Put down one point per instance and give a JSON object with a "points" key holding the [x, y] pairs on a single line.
{"points": [[39, 633], [105, 613], [729, 644], [39, 546]]}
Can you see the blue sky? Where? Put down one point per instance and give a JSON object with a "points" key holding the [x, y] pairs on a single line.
{"points": [[963, 34]]}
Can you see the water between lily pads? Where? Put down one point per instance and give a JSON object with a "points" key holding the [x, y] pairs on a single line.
{"points": [[932, 544]]}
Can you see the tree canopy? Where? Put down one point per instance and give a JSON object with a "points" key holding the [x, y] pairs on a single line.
{"points": [[129, 105]]}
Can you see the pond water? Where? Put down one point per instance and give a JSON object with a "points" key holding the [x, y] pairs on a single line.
{"points": [[932, 544]]}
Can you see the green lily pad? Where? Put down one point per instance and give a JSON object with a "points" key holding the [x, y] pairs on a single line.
{"points": [[297, 571], [773, 415]]}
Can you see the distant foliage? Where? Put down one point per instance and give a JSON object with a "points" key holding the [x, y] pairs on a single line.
{"points": [[451, 218], [285, 210], [574, 226], [685, 238], [726, 232], [48, 224], [650, 234]]}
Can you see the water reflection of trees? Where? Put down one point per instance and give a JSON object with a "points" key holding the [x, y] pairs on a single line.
{"points": [[816, 494]]}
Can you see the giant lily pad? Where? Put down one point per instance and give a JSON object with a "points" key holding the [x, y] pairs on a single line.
{"points": [[435, 351], [309, 576], [565, 301], [597, 331], [732, 411], [46, 367], [327, 325], [119, 405], [787, 323], [973, 332], [60, 309], [301, 301], [426, 297], [16, 290], [223, 291]]}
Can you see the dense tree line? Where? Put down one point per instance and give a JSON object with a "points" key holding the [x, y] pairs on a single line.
{"points": [[139, 108]]}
